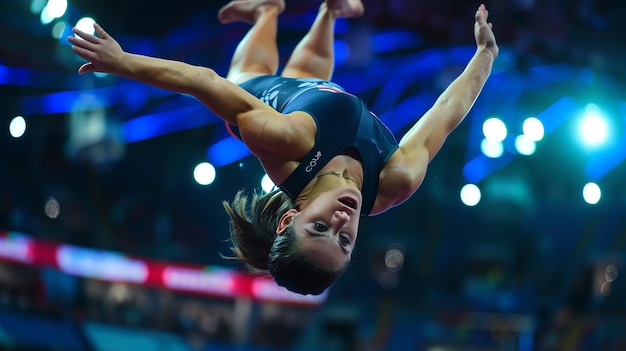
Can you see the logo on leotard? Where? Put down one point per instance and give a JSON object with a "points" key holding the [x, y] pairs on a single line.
{"points": [[313, 162], [270, 97]]}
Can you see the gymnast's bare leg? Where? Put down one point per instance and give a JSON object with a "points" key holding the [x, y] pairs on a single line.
{"points": [[257, 53], [314, 56]]}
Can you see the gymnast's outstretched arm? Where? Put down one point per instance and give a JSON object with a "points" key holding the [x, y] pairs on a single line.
{"points": [[225, 99], [405, 172], [455, 102], [265, 131]]}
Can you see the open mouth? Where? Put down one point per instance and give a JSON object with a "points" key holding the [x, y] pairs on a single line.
{"points": [[350, 202]]}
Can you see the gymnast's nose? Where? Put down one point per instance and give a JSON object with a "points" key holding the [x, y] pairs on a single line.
{"points": [[341, 218]]}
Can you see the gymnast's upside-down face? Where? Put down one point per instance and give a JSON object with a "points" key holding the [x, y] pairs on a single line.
{"points": [[327, 227]]}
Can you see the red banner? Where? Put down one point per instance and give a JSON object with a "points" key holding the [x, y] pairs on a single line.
{"points": [[118, 267]]}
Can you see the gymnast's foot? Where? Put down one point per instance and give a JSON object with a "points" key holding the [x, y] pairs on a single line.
{"points": [[246, 10], [345, 8]]}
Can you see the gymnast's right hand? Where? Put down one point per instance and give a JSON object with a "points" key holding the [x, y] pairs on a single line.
{"points": [[103, 52]]}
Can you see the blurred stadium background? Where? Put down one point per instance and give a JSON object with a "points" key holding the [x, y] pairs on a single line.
{"points": [[110, 191]]}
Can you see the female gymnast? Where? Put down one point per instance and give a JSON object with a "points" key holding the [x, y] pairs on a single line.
{"points": [[332, 158]]}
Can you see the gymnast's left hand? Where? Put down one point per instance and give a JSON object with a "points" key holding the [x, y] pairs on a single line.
{"points": [[103, 52], [483, 32]]}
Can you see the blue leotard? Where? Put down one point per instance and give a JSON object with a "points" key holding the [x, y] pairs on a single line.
{"points": [[343, 121]]}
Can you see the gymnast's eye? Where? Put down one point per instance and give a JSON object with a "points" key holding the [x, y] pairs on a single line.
{"points": [[344, 239], [320, 227]]}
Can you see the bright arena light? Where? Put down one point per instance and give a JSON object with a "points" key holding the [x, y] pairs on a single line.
{"points": [[86, 25], [394, 260], [36, 6], [58, 30], [533, 129], [592, 193], [45, 18], [470, 195], [204, 173], [593, 128], [52, 208], [56, 8], [267, 184], [494, 129], [524, 145], [17, 127], [491, 149]]}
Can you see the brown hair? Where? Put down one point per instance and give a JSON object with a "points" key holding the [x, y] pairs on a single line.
{"points": [[255, 243]]}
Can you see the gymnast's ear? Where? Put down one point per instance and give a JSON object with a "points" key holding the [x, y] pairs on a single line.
{"points": [[285, 221]]}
